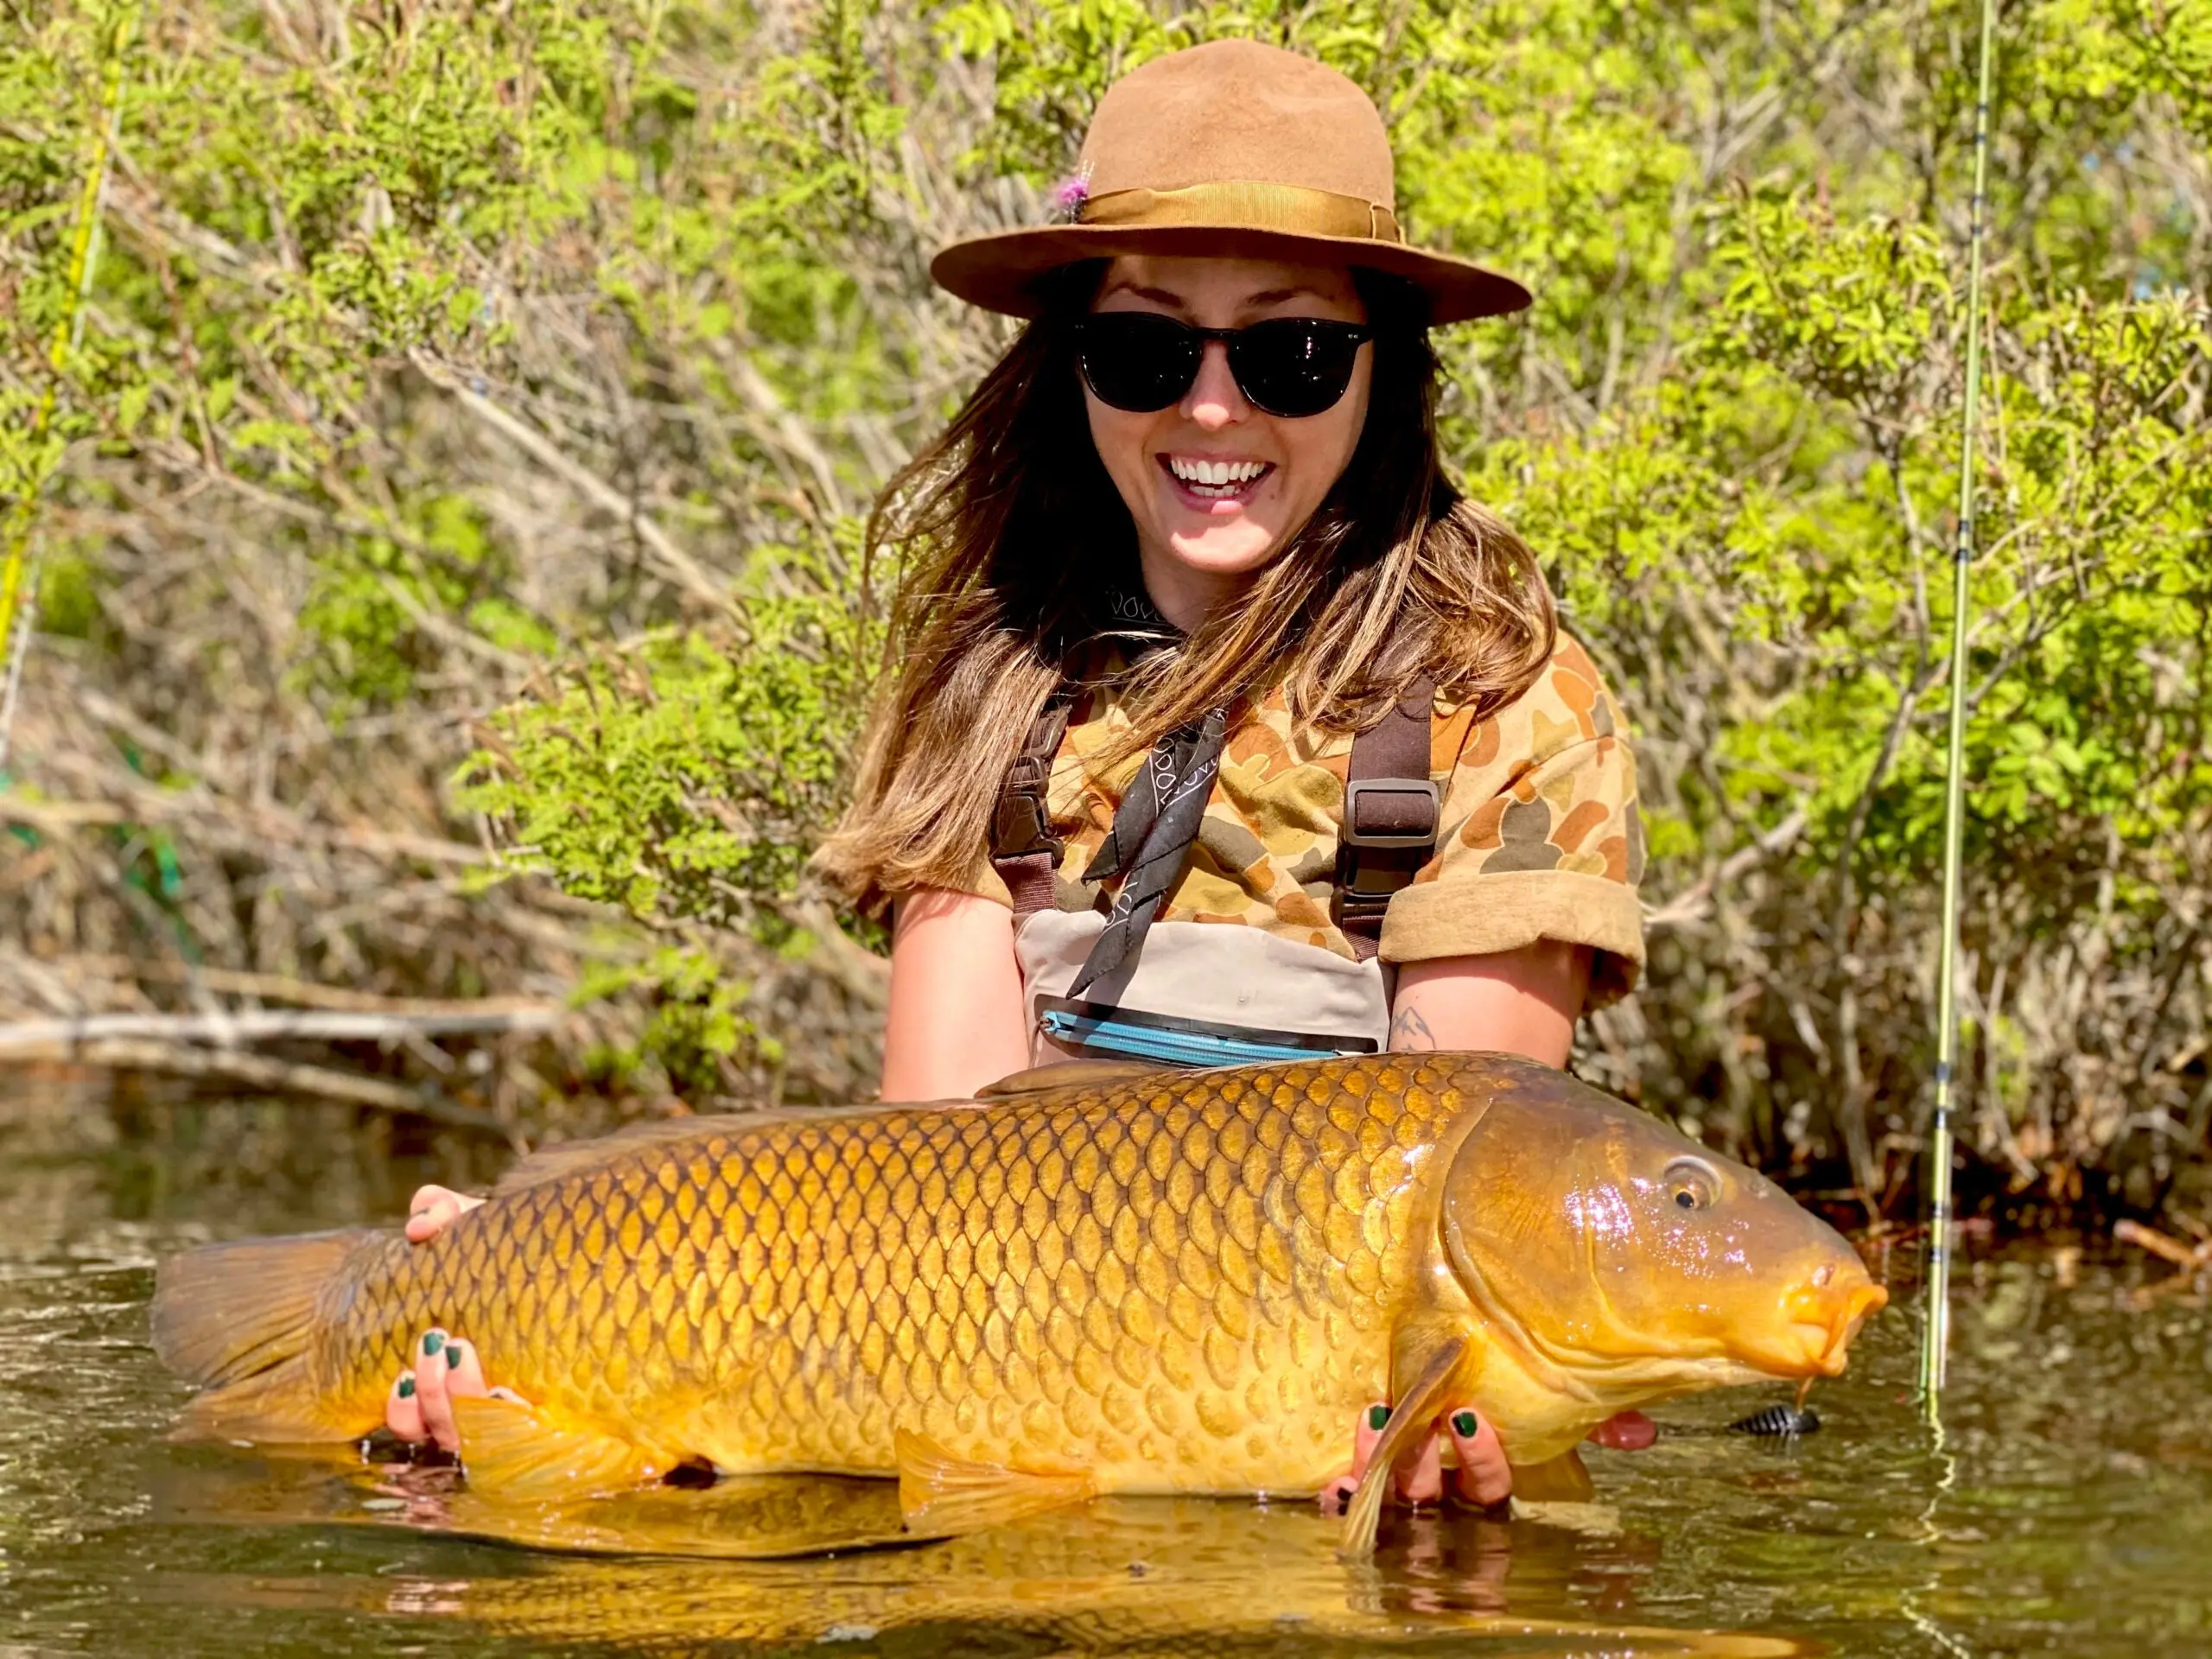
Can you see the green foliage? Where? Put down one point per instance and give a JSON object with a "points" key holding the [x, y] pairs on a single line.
{"points": [[687, 777], [490, 310], [695, 1033]]}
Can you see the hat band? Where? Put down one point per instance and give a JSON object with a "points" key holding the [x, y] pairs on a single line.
{"points": [[1295, 209]]}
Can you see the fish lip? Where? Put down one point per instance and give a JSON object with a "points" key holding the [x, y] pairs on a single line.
{"points": [[1803, 1348], [1823, 1326]]}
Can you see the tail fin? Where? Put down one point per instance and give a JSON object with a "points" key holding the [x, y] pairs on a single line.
{"points": [[237, 1319]]}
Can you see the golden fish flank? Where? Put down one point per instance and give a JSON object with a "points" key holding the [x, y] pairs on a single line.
{"points": [[1131, 1281]]}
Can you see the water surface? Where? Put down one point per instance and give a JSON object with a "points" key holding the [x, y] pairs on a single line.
{"points": [[2066, 1508]]}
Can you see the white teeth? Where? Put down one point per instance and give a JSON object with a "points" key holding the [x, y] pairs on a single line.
{"points": [[1216, 474]]}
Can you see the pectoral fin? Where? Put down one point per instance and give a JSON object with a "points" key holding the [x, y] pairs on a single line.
{"points": [[1417, 1408], [511, 1450], [1562, 1479], [940, 1495]]}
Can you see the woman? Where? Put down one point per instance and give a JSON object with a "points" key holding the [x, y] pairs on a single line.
{"points": [[1225, 729]]}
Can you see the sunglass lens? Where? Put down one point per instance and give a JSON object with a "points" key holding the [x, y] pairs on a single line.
{"points": [[1138, 360], [1294, 367]]}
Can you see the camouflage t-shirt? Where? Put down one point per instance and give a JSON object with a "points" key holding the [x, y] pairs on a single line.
{"points": [[1539, 838]]}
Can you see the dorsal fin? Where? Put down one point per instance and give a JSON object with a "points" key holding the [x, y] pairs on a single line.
{"points": [[1070, 1074], [568, 1157]]}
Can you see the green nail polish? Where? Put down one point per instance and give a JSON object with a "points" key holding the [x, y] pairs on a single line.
{"points": [[433, 1342], [1464, 1425], [454, 1354], [407, 1388], [1377, 1417]]}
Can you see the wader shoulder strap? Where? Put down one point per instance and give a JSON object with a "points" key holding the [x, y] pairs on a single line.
{"points": [[1024, 850], [1391, 809]]}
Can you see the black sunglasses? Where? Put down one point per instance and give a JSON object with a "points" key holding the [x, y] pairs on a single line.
{"points": [[1289, 366]]}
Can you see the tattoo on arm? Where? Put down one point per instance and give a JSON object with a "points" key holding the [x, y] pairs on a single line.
{"points": [[1409, 1031]]}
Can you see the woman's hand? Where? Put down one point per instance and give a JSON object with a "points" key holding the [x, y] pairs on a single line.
{"points": [[420, 1406], [432, 1208], [1482, 1477]]}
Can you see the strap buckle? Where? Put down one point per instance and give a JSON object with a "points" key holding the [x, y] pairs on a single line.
{"points": [[1415, 802], [1350, 911], [1022, 823]]}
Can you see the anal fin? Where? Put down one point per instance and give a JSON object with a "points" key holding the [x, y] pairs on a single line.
{"points": [[941, 1495], [1562, 1479], [1416, 1409], [511, 1450]]}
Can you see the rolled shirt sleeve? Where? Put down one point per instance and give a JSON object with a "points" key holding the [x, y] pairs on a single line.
{"points": [[1539, 836]]}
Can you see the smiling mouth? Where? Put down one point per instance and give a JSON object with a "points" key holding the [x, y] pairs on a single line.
{"points": [[1205, 481]]}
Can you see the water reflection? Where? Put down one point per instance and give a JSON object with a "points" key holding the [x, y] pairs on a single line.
{"points": [[1121, 1576]]}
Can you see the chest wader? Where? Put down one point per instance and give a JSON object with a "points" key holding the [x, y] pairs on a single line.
{"points": [[1213, 993]]}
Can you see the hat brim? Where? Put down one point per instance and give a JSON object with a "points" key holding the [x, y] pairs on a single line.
{"points": [[1000, 272]]}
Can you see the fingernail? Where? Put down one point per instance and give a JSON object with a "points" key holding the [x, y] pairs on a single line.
{"points": [[454, 1354], [407, 1388], [1464, 1425], [1377, 1417], [433, 1341]]}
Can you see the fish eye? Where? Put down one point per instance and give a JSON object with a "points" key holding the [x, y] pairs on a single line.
{"points": [[1692, 1184]]}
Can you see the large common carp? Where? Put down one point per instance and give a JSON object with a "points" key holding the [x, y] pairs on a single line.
{"points": [[1100, 1279]]}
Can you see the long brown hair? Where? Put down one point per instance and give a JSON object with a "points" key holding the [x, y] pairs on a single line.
{"points": [[1012, 537]]}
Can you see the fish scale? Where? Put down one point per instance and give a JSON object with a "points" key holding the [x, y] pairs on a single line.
{"points": [[1131, 1284]]}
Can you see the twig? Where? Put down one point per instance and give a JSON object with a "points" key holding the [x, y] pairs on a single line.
{"points": [[268, 824], [228, 1030], [1694, 902], [687, 571], [283, 988], [2166, 1249], [261, 1073]]}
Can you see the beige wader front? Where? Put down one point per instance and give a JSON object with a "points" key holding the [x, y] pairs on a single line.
{"points": [[1218, 993]]}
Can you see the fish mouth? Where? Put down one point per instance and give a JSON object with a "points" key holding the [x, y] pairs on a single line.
{"points": [[1819, 1323]]}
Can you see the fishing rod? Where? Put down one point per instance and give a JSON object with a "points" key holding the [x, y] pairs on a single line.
{"points": [[1935, 1331], [18, 588]]}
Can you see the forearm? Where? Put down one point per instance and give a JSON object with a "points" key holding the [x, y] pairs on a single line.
{"points": [[1523, 1001], [956, 1021]]}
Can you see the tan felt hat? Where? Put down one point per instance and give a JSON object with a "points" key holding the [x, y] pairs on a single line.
{"points": [[1232, 148]]}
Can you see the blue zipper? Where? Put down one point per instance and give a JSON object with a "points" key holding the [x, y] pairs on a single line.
{"points": [[1175, 1047]]}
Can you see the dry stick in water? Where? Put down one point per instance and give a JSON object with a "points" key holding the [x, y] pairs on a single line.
{"points": [[2166, 1249], [228, 1030], [259, 1073], [309, 993]]}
